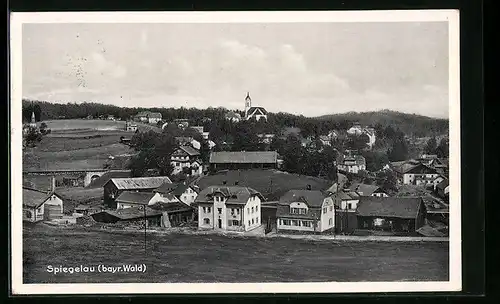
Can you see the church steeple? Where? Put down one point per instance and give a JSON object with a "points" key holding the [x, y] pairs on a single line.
{"points": [[33, 119], [248, 103]]}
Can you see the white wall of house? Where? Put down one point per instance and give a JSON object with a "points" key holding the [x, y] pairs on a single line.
{"points": [[188, 196], [349, 204], [153, 120], [380, 194], [295, 224], [155, 199], [206, 216], [327, 215], [54, 200], [257, 117], [252, 217], [419, 179]]}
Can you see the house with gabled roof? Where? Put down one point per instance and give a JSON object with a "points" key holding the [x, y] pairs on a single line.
{"points": [[415, 173], [367, 190], [229, 208], [443, 188], [182, 192], [129, 199], [186, 157], [305, 211], [134, 216], [41, 205], [351, 163], [115, 186], [397, 214], [233, 116], [225, 160]]}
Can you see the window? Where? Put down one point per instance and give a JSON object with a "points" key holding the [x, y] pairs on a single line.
{"points": [[349, 205], [302, 210], [252, 221], [295, 223], [248, 223], [330, 222], [177, 164], [257, 220], [209, 209], [248, 210], [331, 208], [306, 223], [325, 210], [256, 208], [236, 223], [220, 210], [206, 221], [229, 223], [286, 222], [238, 211], [252, 209]]}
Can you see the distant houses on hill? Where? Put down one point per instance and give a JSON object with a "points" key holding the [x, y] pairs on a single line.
{"points": [[148, 117]]}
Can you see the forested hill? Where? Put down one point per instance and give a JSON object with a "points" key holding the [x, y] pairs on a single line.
{"points": [[409, 124], [414, 124]]}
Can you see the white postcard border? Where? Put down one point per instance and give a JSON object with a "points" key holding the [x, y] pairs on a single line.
{"points": [[455, 270]]}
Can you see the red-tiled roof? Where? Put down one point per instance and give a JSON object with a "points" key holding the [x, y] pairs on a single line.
{"points": [[400, 207]]}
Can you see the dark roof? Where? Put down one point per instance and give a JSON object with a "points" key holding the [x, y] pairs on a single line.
{"points": [[348, 195], [103, 179], [252, 110], [139, 182], [400, 207], [34, 198], [313, 198], [190, 150], [253, 157], [171, 207], [176, 189], [443, 184], [131, 213], [142, 198], [234, 194], [364, 189], [412, 166]]}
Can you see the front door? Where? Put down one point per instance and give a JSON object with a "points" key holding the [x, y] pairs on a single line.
{"points": [[220, 224]]}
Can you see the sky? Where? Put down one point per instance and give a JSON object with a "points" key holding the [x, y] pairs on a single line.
{"points": [[308, 69]]}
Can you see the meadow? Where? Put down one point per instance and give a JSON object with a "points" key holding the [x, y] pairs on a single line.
{"points": [[181, 258], [77, 144]]}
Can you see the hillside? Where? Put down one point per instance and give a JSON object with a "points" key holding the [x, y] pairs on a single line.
{"points": [[410, 124], [271, 183]]}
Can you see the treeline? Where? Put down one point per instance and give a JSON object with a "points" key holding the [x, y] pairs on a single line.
{"points": [[409, 124]]}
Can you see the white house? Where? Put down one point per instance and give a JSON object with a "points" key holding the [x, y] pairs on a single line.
{"points": [[41, 205], [367, 190], [182, 192], [351, 164], [229, 208], [347, 200], [410, 173], [129, 199], [356, 129], [305, 211], [233, 116], [149, 117], [186, 157]]}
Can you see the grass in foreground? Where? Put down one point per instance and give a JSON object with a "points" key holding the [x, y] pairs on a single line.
{"points": [[201, 258]]}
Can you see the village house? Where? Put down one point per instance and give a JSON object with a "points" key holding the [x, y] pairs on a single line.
{"points": [[367, 190], [396, 214], [265, 138], [182, 192], [325, 140], [345, 215], [111, 117], [229, 208], [443, 189], [357, 130], [305, 211], [200, 129], [149, 117], [181, 123], [233, 116], [243, 160], [415, 173], [130, 127], [115, 186], [351, 164], [437, 180], [41, 205], [128, 199], [259, 113], [132, 217], [186, 157], [188, 141]]}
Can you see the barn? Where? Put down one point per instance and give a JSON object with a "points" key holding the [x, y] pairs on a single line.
{"points": [[41, 205]]}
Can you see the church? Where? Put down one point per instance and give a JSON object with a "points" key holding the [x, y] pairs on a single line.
{"points": [[257, 112]]}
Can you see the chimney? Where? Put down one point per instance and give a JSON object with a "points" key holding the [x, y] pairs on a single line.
{"points": [[236, 183], [308, 187], [53, 184]]}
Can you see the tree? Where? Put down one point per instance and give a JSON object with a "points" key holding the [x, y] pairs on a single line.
{"points": [[139, 164], [387, 180], [292, 155], [443, 149], [399, 151], [375, 160], [430, 147], [43, 128]]}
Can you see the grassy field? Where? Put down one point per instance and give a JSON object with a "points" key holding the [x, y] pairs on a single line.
{"points": [[271, 183], [77, 144], [197, 258]]}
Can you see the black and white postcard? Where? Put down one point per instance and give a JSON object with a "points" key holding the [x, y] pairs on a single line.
{"points": [[235, 152]]}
